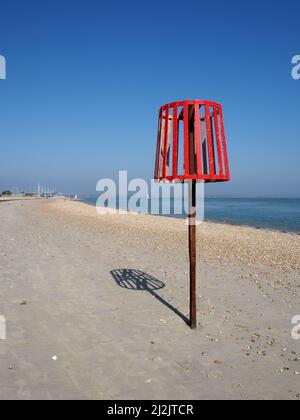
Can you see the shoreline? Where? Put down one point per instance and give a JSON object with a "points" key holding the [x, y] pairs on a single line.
{"points": [[235, 243], [297, 233], [4, 199]]}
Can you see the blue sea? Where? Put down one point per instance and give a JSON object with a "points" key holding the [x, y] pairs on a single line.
{"points": [[281, 214]]}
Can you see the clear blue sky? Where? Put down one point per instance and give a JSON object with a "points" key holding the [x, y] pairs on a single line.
{"points": [[85, 80]]}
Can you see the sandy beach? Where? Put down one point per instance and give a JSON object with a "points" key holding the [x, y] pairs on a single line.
{"points": [[96, 307]]}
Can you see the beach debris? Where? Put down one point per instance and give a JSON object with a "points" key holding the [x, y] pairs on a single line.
{"points": [[155, 358], [163, 321], [256, 337], [23, 302], [241, 326], [182, 366], [54, 358], [272, 342]]}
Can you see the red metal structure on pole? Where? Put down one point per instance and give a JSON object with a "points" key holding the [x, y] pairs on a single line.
{"points": [[191, 146]]}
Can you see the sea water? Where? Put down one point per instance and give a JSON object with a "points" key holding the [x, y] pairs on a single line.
{"points": [[281, 214]]}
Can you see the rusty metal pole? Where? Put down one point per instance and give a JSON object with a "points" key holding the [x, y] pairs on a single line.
{"points": [[192, 217], [192, 253]]}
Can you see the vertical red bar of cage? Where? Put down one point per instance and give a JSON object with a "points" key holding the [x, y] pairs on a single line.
{"points": [[186, 139], [161, 153], [220, 157], [209, 141], [166, 135], [224, 146], [175, 142], [197, 139], [158, 147], [203, 143]]}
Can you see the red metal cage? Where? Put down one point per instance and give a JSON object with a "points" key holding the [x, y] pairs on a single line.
{"points": [[191, 143]]}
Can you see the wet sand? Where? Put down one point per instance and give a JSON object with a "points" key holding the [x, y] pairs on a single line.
{"points": [[106, 296]]}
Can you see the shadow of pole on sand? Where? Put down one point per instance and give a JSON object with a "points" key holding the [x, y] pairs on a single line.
{"points": [[137, 280]]}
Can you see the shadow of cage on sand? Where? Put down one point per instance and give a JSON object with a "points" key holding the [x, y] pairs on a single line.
{"points": [[137, 280]]}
